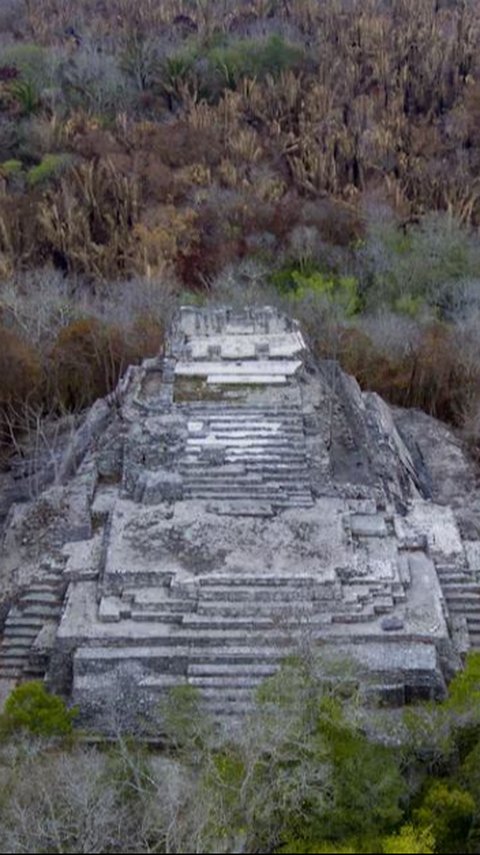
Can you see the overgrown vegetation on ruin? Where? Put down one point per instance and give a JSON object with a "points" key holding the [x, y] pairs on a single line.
{"points": [[307, 772], [311, 153]]}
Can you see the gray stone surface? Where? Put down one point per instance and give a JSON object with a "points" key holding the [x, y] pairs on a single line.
{"points": [[221, 521]]}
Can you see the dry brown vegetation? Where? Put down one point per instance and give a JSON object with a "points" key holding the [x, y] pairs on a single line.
{"points": [[170, 141], [381, 103]]}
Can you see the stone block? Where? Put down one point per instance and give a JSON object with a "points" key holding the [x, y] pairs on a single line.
{"points": [[162, 486], [368, 525], [109, 609]]}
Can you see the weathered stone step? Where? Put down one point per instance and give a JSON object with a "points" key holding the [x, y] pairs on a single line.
{"points": [[165, 607], [451, 578], [173, 592], [194, 466], [206, 634], [278, 598], [10, 671], [219, 495], [47, 584], [363, 616], [272, 495], [244, 440], [253, 623], [152, 616], [181, 656], [250, 472], [214, 669], [32, 672], [293, 502], [216, 410], [46, 610], [267, 496], [249, 580], [250, 457], [239, 410], [463, 606], [223, 682], [202, 639], [242, 608], [261, 484], [280, 469], [292, 487], [14, 652], [220, 411], [233, 694], [267, 427], [21, 619], [41, 597], [255, 431], [454, 589], [16, 641], [156, 682], [14, 631], [211, 475]]}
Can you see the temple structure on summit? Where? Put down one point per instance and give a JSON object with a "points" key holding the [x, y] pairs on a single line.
{"points": [[242, 503]]}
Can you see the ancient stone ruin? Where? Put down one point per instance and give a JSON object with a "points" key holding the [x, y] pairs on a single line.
{"points": [[232, 503]]}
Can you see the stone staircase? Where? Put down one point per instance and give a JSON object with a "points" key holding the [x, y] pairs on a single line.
{"points": [[246, 453], [29, 628], [223, 633], [461, 590], [272, 613]]}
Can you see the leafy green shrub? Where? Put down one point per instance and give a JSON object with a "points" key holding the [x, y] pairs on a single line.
{"points": [[31, 708], [339, 291], [299, 847], [13, 171], [414, 265], [408, 305], [33, 62], [464, 689], [176, 72], [247, 58], [11, 167], [51, 166], [409, 840], [225, 65], [26, 94], [184, 723], [447, 811]]}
